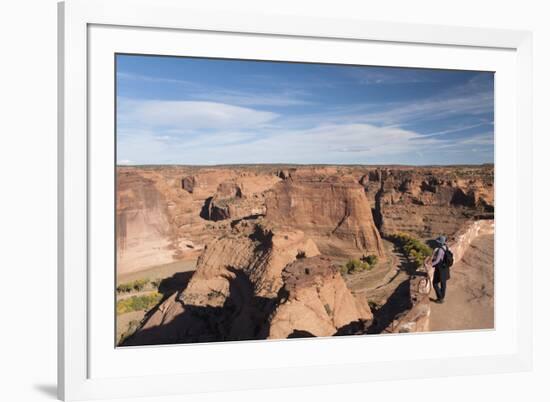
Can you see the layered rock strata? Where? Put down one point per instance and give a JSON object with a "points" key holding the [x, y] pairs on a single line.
{"points": [[336, 214], [425, 202]]}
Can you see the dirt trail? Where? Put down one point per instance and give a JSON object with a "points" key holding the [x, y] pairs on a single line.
{"points": [[159, 271], [469, 303]]}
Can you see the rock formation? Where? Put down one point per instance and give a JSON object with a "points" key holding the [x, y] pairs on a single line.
{"points": [[316, 302], [261, 252], [255, 284], [169, 213], [234, 289], [166, 214], [267, 241], [229, 202], [142, 224], [336, 214], [428, 201]]}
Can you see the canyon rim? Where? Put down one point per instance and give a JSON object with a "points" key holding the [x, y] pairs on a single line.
{"points": [[264, 200]]}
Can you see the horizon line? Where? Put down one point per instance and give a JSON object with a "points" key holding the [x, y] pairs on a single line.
{"points": [[307, 164]]}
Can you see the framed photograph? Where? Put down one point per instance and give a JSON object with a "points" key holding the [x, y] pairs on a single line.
{"points": [[253, 201]]}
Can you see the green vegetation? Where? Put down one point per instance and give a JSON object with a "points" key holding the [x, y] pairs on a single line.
{"points": [[135, 286], [371, 259], [138, 303], [415, 250], [354, 266]]}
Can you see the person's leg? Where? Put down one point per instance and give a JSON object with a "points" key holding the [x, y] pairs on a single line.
{"points": [[436, 284], [443, 279]]}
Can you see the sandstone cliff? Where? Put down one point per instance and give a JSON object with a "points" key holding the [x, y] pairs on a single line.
{"points": [[335, 213], [142, 224], [169, 213], [165, 214], [426, 202]]}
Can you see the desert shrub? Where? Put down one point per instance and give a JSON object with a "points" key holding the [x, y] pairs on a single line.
{"points": [[124, 288], [415, 250], [354, 266], [371, 259], [138, 285], [138, 303], [156, 283], [301, 254]]}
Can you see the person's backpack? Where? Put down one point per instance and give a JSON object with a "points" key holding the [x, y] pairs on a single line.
{"points": [[448, 258]]}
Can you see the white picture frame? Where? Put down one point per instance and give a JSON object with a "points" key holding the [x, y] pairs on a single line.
{"points": [[92, 31]]}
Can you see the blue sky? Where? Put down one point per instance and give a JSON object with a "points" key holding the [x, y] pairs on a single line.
{"points": [[174, 110]]}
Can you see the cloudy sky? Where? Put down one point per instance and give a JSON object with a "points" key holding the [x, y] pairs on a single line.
{"points": [[174, 110]]}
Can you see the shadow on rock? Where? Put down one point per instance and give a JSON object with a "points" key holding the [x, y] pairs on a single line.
{"points": [[298, 333], [353, 328], [205, 210], [397, 303], [175, 283], [242, 317]]}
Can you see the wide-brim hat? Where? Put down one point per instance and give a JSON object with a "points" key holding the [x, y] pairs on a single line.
{"points": [[441, 240]]}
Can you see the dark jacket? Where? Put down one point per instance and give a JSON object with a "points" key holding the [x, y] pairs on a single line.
{"points": [[438, 262]]}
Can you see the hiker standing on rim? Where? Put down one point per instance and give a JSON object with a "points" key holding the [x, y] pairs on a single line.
{"points": [[442, 259]]}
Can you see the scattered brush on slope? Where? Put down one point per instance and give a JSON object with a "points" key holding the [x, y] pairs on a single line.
{"points": [[415, 250]]}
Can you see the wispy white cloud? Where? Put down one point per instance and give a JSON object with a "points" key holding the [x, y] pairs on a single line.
{"points": [[152, 79], [431, 109], [243, 98], [479, 139], [211, 93], [342, 143], [221, 126], [189, 115], [378, 76], [457, 129], [472, 102]]}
